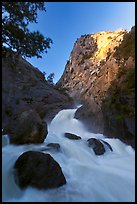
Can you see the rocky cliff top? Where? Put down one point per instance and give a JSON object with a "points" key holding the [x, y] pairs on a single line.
{"points": [[86, 62]]}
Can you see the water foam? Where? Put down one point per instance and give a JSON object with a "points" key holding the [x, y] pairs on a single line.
{"points": [[90, 178]]}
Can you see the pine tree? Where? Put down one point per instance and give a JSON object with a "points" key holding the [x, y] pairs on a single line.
{"points": [[16, 17], [50, 78]]}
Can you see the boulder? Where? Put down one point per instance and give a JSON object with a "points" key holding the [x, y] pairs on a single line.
{"points": [[96, 145], [38, 170], [55, 146], [29, 129], [107, 144], [72, 136], [51, 146], [24, 87], [91, 116]]}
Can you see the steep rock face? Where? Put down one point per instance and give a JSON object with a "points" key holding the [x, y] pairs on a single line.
{"points": [[119, 105], [23, 88], [89, 73]]}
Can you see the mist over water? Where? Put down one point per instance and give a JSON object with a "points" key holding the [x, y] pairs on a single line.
{"points": [[106, 178]]}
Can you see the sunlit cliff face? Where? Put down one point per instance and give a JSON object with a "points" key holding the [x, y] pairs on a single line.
{"points": [[96, 61], [91, 66], [106, 42]]}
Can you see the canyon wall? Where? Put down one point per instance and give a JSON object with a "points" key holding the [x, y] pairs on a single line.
{"points": [[99, 63]]}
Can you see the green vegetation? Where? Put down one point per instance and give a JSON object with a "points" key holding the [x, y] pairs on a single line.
{"points": [[16, 17], [102, 62], [60, 88], [120, 109], [130, 78], [120, 94], [109, 37], [50, 78], [85, 56], [118, 106], [67, 62], [127, 47], [63, 90]]}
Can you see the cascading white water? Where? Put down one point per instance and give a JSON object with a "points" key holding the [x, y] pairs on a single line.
{"points": [[90, 178]]}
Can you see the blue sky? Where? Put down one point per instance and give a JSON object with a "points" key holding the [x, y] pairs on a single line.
{"points": [[64, 22]]}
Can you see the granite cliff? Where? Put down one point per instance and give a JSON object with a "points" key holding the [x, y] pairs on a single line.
{"points": [[29, 102], [100, 75]]}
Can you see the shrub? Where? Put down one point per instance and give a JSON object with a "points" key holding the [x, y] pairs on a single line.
{"points": [[109, 37], [127, 46]]}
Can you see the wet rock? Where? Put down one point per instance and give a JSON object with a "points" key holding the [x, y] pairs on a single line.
{"points": [[50, 146], [72, 136], [96, 145], [38, 170], [5, 140], [29, 129], [107, 144], [55, 146], [91, 117]]}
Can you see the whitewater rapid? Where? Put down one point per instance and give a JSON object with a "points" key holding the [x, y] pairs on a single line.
{"points": [[90, 178]]}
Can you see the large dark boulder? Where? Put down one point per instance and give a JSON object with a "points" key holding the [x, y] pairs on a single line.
{"points": [[91, 116], [29, 129], [38, 170], [72, 136], [107, 144], [96, 145], [24, 87], [124, 129]]}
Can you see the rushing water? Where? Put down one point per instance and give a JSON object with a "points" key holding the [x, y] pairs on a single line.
{"points": [[106, 178]]}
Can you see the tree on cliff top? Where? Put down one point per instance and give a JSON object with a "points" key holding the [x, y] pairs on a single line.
{"points": [[16, 36], [50, 78]]}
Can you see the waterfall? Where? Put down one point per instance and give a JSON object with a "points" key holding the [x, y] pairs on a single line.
{"points": [[90, 178]]}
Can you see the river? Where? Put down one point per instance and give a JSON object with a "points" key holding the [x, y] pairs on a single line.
{"points": [[90, 178]]}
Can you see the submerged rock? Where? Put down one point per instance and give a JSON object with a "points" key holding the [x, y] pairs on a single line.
{"points": [[55, 146], [72, 136], [50, 146], [38, 170], [96, 145]]}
